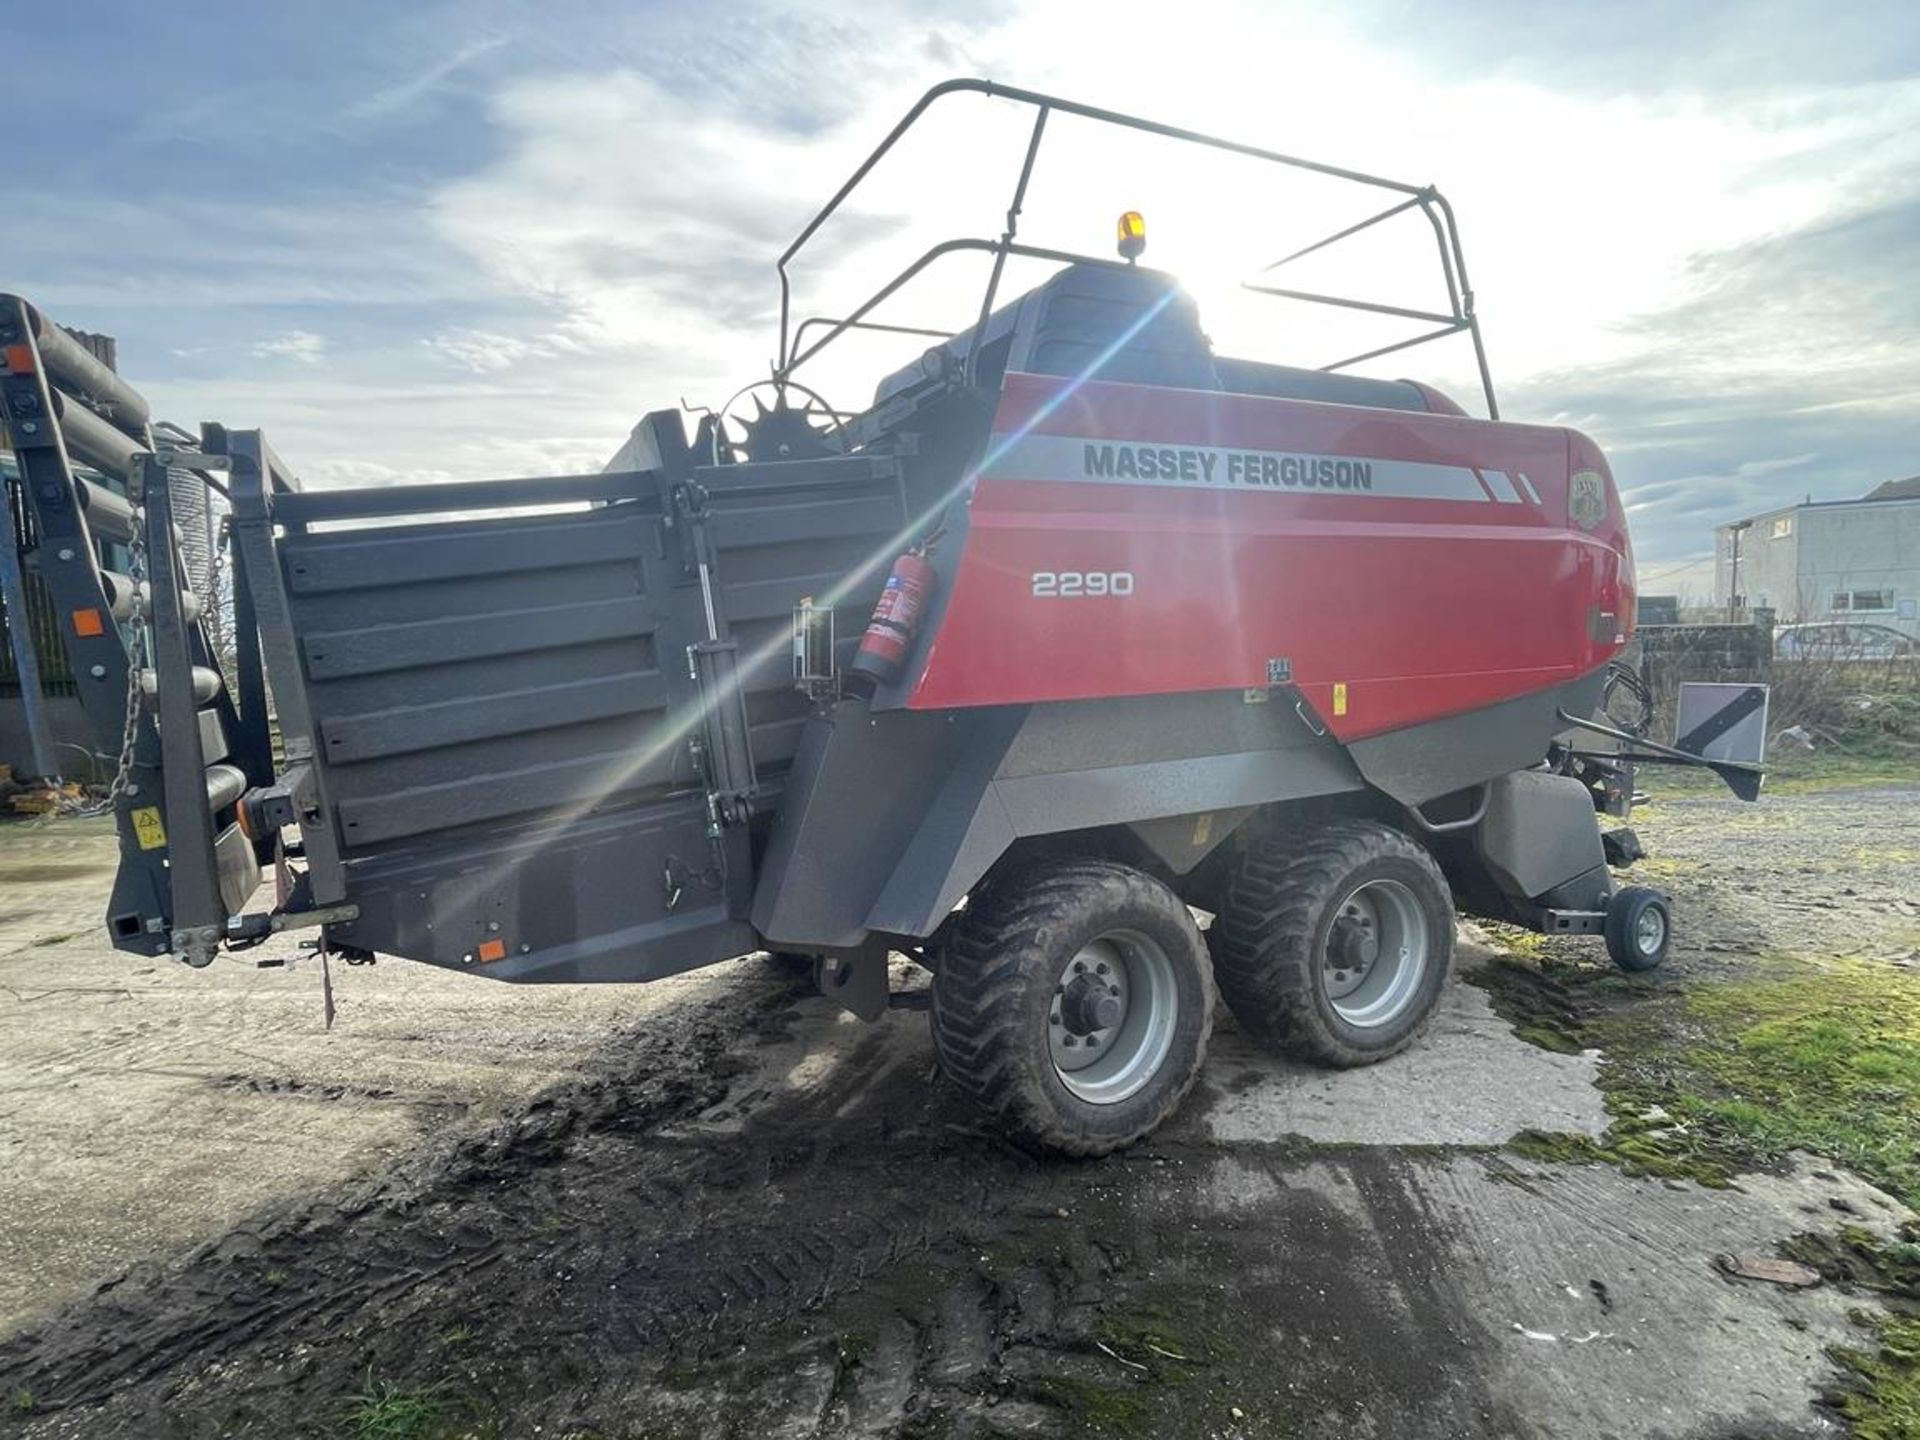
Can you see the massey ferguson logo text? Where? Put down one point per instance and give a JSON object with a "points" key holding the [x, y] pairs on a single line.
{"points": [[1205, 466]]}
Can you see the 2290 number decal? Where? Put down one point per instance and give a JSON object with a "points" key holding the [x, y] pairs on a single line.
{"points": [[1080, 584]]}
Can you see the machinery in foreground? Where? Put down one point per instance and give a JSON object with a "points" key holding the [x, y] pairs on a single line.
{"points": [[1080, 628]]}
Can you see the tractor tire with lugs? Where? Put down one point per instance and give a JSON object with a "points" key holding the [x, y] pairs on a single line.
{"points": [[1335, 945], [1074, 1003]]}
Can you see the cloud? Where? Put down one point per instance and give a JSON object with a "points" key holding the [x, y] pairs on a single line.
{"points": [[302, 345], [1691, 229], [410, 89]]}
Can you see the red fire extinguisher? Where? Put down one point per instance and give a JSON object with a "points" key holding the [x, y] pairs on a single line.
{"points": [[896, 618]]}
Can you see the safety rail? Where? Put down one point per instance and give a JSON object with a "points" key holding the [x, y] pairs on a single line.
{"points": [[1458, 318]]}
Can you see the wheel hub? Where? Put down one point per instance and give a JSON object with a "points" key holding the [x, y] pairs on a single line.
{"points": [[1112, 1018], [1353, 945], [1377, 950], [1091, 1003], [1650, 932]]}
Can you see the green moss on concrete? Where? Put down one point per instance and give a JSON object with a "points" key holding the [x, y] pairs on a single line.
{"points": [[1706, 1082], [1881, 1393]]}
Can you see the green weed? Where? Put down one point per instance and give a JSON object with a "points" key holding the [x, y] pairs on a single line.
{"points": [[383, 1410]]}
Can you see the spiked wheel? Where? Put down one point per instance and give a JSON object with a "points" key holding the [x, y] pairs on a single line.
{"points": [[782, 431]]}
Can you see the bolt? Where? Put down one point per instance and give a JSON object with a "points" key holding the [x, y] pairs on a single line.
{"points": [[99, 672], [1101, 967], [1071, 1041], [29, 427], [1053, 1019], [493, 925], [65, 554]]}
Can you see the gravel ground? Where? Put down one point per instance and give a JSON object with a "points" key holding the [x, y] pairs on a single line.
{"points": [[719, 1209]]}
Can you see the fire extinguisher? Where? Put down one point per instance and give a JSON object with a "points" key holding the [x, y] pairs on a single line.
{"points": [[896, 618]]}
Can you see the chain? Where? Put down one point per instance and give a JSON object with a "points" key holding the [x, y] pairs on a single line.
{"points": [[136, 666], [213, 611]]}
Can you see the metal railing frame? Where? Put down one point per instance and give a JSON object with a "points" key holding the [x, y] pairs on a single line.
{"points": [[1458, 318]]}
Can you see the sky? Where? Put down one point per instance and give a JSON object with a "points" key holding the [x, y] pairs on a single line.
{"points": [[482, 237]]}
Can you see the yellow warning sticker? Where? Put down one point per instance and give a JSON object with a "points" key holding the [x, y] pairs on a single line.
{"points": [[1340, 698], [148, 829], [1203, 829]]}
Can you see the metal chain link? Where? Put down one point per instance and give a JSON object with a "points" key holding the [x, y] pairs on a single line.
{"points": [[213, 609], [136, 666]]}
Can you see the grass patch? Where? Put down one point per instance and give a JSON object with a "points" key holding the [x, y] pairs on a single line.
{"points": [[21, 1402], [384, 1410], [1827, 1061], [1704, 1083]]}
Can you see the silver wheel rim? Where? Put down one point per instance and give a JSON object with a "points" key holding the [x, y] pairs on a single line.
{"points": [[1376, 954], [1111, 1021], [1650, 930]]}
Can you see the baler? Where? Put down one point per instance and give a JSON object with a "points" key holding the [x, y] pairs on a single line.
{"points": [[1091, 669]]}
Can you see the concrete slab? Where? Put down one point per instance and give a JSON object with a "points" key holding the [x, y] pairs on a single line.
{"points": [[1468, 1081]]}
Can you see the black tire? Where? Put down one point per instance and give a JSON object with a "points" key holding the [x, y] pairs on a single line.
{"points": [[1635, 940], [1270, 941], [998, 987]]}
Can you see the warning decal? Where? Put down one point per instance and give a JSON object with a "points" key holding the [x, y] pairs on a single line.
{"points": [[148, 831]]}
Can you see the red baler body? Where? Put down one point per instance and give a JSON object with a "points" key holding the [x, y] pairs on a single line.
{"points": [[1452, 570]]}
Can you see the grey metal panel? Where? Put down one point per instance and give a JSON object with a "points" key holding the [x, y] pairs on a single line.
{"points": [[213, 737], [1086, 789], [867, 795], [1540, 831], [1424, 762], [350, 560], [480, 679], [513, 712], [1114, 795], [257, 477], [481, 593], [585, 899], [465, 637], [584, 781], [902, 811], [825, 519], [775, 598], [1181, 842], [190, 738], [239, 869], [1134, 730]]}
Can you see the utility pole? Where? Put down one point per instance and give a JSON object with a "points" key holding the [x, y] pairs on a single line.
{"points": [[1733, 583]]}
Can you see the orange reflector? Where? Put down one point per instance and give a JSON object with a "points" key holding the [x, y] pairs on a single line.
{"points": [[492, 950], [19, 360], [88, 623]]}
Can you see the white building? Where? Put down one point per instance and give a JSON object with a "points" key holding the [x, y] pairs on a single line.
{"points": [[1828, 559]]}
